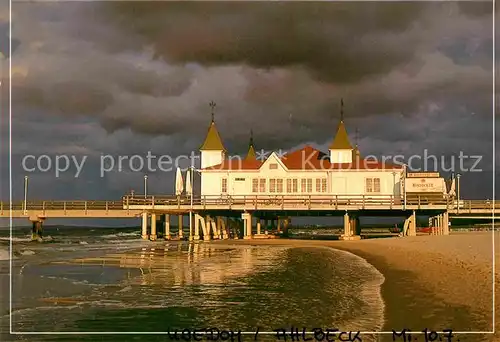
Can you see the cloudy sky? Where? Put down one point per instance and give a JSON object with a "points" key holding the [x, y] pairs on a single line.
{"points": [[125, 78]]}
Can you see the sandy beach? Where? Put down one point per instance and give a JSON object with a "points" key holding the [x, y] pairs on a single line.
{"points": [[434, 282]]}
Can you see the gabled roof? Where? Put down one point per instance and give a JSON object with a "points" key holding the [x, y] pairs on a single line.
{"points": [[213, 141], [308, 159], [274, 156], [341, 141]]}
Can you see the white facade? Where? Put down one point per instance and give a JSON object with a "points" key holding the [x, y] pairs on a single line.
{"points": [[349, 182], [341, 156], [211, 158], [278, 180]]}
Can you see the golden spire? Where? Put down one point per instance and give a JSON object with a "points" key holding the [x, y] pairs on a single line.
{"points": [[213, 141], [251, 149], [341, 141]]}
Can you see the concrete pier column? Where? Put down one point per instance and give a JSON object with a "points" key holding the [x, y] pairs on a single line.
{"points": [[144, 233], [197, 221], [258, 226], [247, 225], [446, 224], [167, 227], [208, 231], [347, 226], [222, 227], [180, 225], [153, 236], [412, 229]]}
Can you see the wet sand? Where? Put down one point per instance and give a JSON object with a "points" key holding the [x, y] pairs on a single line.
{"points": [[434, 282]]}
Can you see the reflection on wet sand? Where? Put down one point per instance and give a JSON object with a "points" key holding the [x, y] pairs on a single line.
{"points": [[178, 264]]}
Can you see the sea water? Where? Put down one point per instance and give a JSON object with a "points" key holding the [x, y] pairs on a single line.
{"points": [[109, 280]]}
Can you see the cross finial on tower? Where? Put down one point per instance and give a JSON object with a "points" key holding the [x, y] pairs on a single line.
{"points": [[212, 105], [341, 109]]}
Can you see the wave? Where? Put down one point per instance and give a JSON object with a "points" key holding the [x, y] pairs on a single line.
{"points": [[122, 234], [16, 239], [371, 294]]}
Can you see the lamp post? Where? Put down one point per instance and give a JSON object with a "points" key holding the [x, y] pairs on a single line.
{"points": [[191, 209], [458, 191], [25, 206], [404, 186], [145, 185]]}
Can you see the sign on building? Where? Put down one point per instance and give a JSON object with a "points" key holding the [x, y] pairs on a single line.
{"points": [[423, 175], [425, 185]]}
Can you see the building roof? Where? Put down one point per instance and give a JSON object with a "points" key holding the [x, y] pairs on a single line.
{"points": [[251, 153], [251, 149], [341, 141], [213, 141], [307, 159]]}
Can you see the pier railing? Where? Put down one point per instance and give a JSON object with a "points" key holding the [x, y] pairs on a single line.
{"points": [[285, 201], [251, 202]]}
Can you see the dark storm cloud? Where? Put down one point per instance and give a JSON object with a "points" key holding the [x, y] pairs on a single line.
{"points": [[127, 77], [341, 42]]}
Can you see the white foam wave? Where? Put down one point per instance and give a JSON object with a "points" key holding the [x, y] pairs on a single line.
{"points": [[16, 239], [27, 252], [371, 294], [122, 234]]}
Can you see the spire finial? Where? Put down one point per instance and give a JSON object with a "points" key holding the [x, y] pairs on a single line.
{"points": [[251, 137], [212, 105], [356, 136], [341, 109]]}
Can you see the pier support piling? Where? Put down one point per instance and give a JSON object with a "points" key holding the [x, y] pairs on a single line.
{"points": [[144, 233], [412, 224], [247, 225], [446, 223], [181, 228], [153, 236], [36, 230], [166, 223]]}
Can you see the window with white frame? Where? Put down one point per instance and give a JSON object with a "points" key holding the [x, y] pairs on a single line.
{"points": [[223, 185], [320, 184], [255, 185], [372, 185], [303, 185], [289, 185], [279, 185], [295, 185], [262, 185], [309, 185], [272, 185], [323, 185]]}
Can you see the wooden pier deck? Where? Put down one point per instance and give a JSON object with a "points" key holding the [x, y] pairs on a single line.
{"points": [[133, 206]]}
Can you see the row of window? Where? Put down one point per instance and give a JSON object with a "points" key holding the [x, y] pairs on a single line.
{"points": [[372, 185]]}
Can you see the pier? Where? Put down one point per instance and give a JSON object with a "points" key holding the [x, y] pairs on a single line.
{"points": [[222, 217]]}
